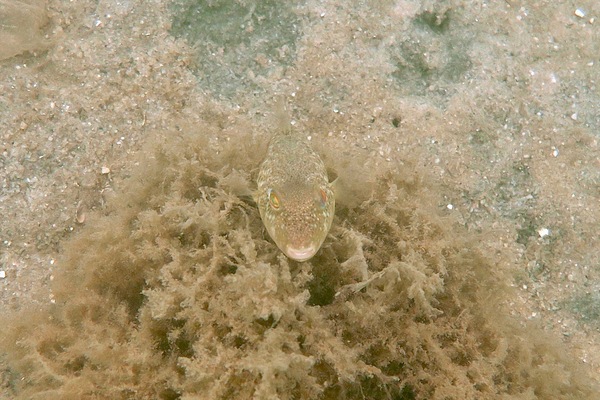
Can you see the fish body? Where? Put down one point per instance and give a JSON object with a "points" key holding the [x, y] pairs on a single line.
{"points": [[294, 196]]}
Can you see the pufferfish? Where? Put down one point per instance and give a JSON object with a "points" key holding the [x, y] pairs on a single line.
{"points": [[294, 196]]}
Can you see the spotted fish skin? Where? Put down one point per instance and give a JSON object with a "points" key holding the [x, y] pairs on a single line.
{"points": [[295, 199]]}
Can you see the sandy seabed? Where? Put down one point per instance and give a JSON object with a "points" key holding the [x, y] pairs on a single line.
{"points": [[463, 262]]}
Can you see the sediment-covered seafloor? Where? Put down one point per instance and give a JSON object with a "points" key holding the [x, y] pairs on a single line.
{"points": [[461, 263]]}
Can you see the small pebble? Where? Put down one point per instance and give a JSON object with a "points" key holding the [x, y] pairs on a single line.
{"points": [[105, 170], [80, 216], [2, 274], [580, 13], [544, 232]]}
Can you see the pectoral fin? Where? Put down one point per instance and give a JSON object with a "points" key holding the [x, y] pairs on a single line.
{"points": [[335, 187]]}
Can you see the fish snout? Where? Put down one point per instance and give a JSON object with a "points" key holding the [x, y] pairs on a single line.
{"points": [[302, 253]]}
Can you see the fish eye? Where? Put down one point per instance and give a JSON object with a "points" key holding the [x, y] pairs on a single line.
{"points": [[273, 199], [322, 197]]}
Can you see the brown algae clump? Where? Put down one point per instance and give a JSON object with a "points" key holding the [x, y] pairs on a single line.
{"points": [[175, 292]]}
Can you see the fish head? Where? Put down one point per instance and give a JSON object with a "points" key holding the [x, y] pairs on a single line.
{"points": [[298, 218]]}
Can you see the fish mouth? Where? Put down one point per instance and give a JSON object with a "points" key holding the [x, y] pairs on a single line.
{"points": [[300, 253]]}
